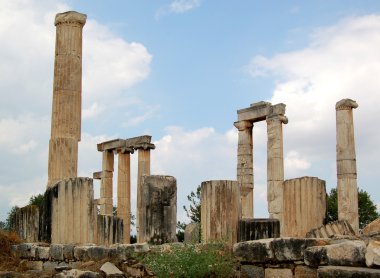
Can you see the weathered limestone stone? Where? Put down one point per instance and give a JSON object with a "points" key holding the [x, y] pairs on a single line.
{"points": [[75, 273], [124, 193], [106, 186], [372, 228], [372, 256], [110, 270], [67, 94], [109, 230], [335, 228], [275, 160], [304, 206], [302, 271], [49, 266], [347, 272], [192, 233], [275, 249], [25, 250], [72, 211], [253, 229], [346, 253], [56, 252], [143, 168], [31, 265], [245, 166], [158, 209], [42, 253], [278, 273], [220, 210], [346, 163], [26, 223], [251, 271]]}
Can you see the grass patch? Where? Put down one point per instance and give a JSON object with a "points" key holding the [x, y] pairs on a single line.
{"points": [[209, 260]]}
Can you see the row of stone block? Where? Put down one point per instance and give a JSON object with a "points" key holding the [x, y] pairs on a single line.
{"points": [[310, 251], [70, 252]]}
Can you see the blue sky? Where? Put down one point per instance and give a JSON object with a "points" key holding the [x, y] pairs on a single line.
{"points": [[178, 70]]}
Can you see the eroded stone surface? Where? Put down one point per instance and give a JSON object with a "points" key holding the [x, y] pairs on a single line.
{"points": [[192, 233], [302, 271], [372, 256], [372, 228], [347, 272], [347, 253], [111, 270], [278, 273], [251, 271]]}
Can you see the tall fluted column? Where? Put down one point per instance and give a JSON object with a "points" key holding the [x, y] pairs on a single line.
{"points": [[346, 163], [143, 169], [106, 184], [245, 166], [275, 163], [124, 192], [67, 104]]}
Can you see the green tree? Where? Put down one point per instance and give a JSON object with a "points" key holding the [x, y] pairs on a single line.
{"points": [[194, 210], [36, 200], [367, 209], [9, 220]]}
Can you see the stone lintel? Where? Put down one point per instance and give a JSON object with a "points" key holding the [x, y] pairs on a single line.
{"points": [[255, 113], [346, 104], [277, 109], [123, 145], [70, 17], [102, 174], [145, 146]]}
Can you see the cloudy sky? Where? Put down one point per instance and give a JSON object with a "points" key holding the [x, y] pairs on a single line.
{"points": [[178, 70]]}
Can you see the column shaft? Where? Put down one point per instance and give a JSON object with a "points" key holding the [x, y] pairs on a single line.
{"points": [[275, 166], [346, 163], [143, 168], [245, 166], [124, 193], [106, 202], [66, 107]]}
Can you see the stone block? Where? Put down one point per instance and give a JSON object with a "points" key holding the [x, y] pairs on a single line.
{"points": [[31, 265], [192, 233], [75, 273], [275, 249], [346, 253], [81, 253], [347, 272], [56, 252], [42, 253], [372, 228], [26, 250], [332, 229], [49, 266], [372, 256], [251, 271], [254, 229], [97, 253], [68, 252], [110, 270], [10, 274], [302, 271], [278, 273]]}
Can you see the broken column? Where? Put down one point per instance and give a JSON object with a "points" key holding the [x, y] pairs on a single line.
{"points": [[143, 168], [106, 183], [275, 160], [158, 215], [67, 104], [304, 206], [245, 166], [73, 214], [124, 191], [220, 210], [346, 163]]}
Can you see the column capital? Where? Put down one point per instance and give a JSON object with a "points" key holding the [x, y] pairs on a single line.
{"points": [[243, 125], [283, 119], [346, 104], [70, 17], [144, 146], [126, 150]]}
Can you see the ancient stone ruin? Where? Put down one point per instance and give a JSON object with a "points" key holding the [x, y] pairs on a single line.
{"points": [[293, 242]]}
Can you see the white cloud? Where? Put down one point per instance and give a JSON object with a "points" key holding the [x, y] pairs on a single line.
{"points": [[295, 165], [178, 7], [342, 61], [92, 111], [181, 6]]}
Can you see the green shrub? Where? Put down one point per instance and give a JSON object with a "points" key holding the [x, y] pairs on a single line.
{"points": [[211, 260]]}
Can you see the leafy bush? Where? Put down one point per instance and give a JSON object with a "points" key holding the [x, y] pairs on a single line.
{"points": [[211, 260]]}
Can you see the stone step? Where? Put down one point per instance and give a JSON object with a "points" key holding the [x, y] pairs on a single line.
{"points": [[347, 272]]}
